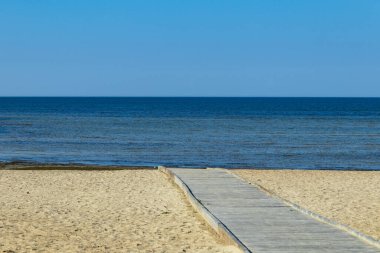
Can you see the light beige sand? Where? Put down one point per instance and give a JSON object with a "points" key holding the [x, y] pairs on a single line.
{"points": [[351, 198], [98, 211]]}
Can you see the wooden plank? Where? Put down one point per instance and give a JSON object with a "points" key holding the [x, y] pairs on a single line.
{"points": [[260, 222]]}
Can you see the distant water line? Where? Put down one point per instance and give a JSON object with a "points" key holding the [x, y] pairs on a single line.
{"points": [[303, 133]]}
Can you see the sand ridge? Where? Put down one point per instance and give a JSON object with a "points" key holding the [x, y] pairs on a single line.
{"points": [[98, 211], [351, 198]]}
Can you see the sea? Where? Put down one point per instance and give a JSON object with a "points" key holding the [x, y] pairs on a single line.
{"points": [[266, 133]]}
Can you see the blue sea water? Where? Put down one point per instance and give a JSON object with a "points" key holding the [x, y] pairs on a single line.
{"points": [[307, 133]]}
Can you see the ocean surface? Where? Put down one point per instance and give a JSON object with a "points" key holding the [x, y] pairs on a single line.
{"points": [[298, 133]]}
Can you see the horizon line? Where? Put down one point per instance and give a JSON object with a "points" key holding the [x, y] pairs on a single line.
{"points": [[189, 96]]}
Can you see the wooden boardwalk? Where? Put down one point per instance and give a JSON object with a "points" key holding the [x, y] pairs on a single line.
{"points": [[263, 223]]}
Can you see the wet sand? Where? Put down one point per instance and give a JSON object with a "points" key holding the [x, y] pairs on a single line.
{"points": [[98, 211], [351, 198]]}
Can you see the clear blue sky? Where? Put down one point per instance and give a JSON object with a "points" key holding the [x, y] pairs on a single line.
{"points": [[190, 48]]}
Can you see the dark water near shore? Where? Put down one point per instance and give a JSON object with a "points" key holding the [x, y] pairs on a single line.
{"points": [[309, 133]]}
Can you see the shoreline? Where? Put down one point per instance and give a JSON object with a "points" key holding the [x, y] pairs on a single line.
{"points": [[67, 166], [17, 164]]}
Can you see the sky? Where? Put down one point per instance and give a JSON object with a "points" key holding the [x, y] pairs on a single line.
{"points": [[190, 48]]}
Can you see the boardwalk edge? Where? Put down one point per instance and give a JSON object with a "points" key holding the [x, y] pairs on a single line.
{"points": [[213, 222], [367, 239]]}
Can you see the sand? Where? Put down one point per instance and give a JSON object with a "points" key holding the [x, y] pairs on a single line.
{"points": [[351, 198], [99, 211]]}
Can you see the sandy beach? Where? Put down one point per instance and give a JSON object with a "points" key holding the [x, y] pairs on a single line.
{"points": [[98, 211], [351, 198]]}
